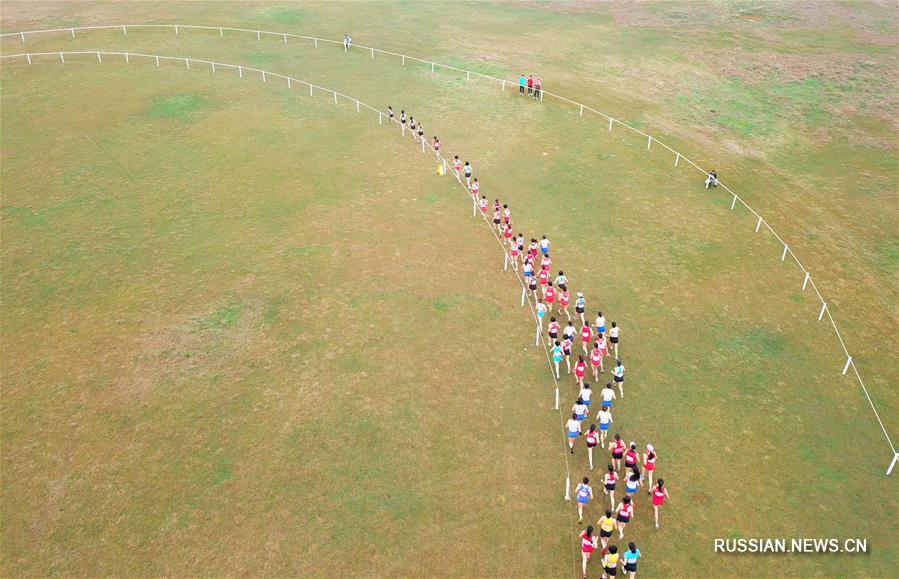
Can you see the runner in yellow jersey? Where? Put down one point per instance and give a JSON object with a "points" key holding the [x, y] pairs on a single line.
{"points": [[607, 525], [610, 562]]}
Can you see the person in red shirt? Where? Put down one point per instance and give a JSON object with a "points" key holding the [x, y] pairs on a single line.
{"points": [[580, 370], [617, 448], [530, 85], [543, 279], [549, 295], [537, 88], [586, 336], [564, 300]]}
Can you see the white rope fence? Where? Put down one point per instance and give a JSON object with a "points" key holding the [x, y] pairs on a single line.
{"points": [[382, 115], [581, 107]]}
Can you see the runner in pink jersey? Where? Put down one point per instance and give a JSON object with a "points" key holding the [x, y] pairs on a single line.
{"points": [[596, 360], [586, 335], [564, 300], [482, 204], [550, 296]]}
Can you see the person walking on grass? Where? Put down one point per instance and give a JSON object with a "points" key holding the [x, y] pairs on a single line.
{"points": [[614, 333], [530, 84], [538, 87], [712, 179], [347, 41], [522, 81], [592, 437], [618, 376], [616, 447], [649, 463], [573, 427], [588, 546], [624, 514], [607, 524], [605, 420], [583, 494], [659, 495], [609, 482], [630, 559], [579, 305]]}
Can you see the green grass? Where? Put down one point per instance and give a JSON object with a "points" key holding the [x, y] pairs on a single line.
{"points": [[246, 331]]}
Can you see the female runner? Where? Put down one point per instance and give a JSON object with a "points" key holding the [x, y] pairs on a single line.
{"points": [[614, 333], [608, 395], [616, 447], [580, 409], [513, 253], [592, 437], [566, 349], [532, 283], [475, 188], [624, 514], [588, 545], [564, 299], [507, 214], [659, 495], [580, 370], [649, 463], [596, 360], [467, 172], [630, 456], [583, 493], [553, 330], [561, 280], [632, 482], [603, 345], [600, 324], [618, 376], [630, 559], [557, 356], [609, 482], [610, 562], [573, 427], [607, 524], [550, 295], [586, 335], [482, 204], [497, 220], [579, 304], [543, 279], [605, 419], [457, 166], [541, 312], [586, 394], [546, 263]]}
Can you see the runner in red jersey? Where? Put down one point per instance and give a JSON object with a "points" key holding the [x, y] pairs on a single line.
{"points": [[588, 545], [609, 481], [630, 456], [543, 279], [549, 294], [475, 188], [592, 437], [625, 514], [564, 300], [513, 253], [659, 495], [617, 448], [580, 370], [553, 330], [546, 263], [586, 335], [649, 463]]}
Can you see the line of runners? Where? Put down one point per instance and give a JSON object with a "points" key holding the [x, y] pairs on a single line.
{"points": [[546, 292]]}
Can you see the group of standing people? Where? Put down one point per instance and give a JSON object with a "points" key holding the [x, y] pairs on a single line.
{"points": [[530, 86]]}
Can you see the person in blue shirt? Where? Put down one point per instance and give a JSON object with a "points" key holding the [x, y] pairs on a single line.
{"points": [[630, 559], [521, 82]]}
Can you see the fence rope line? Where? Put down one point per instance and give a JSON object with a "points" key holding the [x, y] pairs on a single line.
{"points": [[580, 107], [381, 115]]}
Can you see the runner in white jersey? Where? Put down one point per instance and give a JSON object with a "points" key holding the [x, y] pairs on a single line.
{"points": [[544, 245], [618, 376], [605, 420], [614, 333], [573, 428], [608, 395]]}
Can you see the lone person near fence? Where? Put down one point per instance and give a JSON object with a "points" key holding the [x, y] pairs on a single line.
{"points": [[712, 179], [347, 41]]}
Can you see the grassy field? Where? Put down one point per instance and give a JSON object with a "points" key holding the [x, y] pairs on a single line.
{"points": [[247, 331]]}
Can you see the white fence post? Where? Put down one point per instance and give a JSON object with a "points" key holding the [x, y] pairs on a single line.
{"points": [[823, 309], [422, 144], [557, 397], [733, 203], [285, 39], [467, 75], [541, 95], [649, 143], [288, 82], [677, 160], [28, 56], [310, 90], [523, 295], [73, 32], [505, 261], [187, 64], [157, 61], [537, 335], [758, 225], [805, 283], [504, 85], [221, 34], [176, 29], [582, 111], [240, 71], [846, 367], [784, 256], [23, 38], [62, 58], [357, 106], [380, 118], [567, 488], [372, 53], [213, 68], [610, 123], [404, 60], [126, 59], [124, 31], [335, 97], [432, 68], [893, 464], [258, 35], [263, 76]]}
